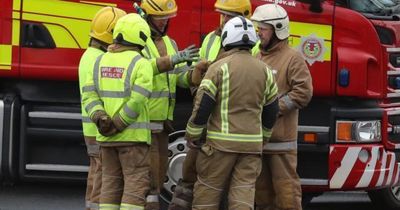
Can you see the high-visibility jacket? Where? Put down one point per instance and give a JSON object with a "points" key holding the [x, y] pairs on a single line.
{"points": [[121, 85], [228, 107], [86, 69], [163, 97], [256, 48], [211, 46]]}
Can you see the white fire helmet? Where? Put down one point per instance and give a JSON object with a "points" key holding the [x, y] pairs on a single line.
{"points": [[274, 15], [239, 31]]}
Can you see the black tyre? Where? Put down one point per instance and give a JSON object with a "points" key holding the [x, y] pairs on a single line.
{"points": [[386, 198]]}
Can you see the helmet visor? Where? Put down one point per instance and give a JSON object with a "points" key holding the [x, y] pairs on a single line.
{"points": [[259, 24], [233, 14], [163, 17]]}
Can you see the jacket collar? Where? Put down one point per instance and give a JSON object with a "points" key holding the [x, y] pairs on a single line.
{"points": [[277, 47], [114, 48]]}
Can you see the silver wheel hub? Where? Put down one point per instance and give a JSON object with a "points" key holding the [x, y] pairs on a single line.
{"points": [[177, 153]]}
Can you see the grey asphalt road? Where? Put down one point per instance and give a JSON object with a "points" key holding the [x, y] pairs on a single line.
{"points": [[71, 197]]}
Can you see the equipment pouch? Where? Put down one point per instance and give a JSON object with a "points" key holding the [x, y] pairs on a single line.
{"points": [[207, 149]]}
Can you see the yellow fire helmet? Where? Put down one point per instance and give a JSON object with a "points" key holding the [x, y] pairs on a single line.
{"points": [[104, 22], [161, 9], [234, 7], [131, 29]]}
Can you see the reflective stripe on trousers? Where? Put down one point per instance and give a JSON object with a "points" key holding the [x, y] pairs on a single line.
{"points": [[280, 146]]}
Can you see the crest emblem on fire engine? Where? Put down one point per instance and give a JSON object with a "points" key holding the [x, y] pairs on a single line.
{"points": [[312, 48]]}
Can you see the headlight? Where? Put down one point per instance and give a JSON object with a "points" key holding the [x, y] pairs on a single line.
{"points": [[358, 131]]}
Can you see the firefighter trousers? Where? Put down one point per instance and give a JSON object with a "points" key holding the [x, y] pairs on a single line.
{"points": [[158, 159], [216, 170], [93, 185], [278, 186], [126, 176]]}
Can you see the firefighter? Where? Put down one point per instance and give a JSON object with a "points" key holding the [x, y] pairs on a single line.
{"points": [[116, 99], [210, 50], [170, 70], [278, 186], [234, 115], [100, 37]]}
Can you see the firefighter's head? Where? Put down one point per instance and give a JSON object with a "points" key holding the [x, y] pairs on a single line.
{"points": [[131, 30], [272, 16], [159, 12], [104, 22], [232, 8], [238, 32]]}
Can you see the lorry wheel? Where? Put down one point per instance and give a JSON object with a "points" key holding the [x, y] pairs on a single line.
{"points": [[176, 155], [386, 198]]}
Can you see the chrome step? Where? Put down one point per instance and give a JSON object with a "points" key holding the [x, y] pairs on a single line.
{"points": [[57, 167], [55, 115]]}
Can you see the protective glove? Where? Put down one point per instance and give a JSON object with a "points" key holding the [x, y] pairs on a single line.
{"points": [[189, 54], [119, 124], [198, 72], [104, 123]]}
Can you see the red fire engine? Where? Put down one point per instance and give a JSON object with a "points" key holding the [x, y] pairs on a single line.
{"points": [[349, 135]]}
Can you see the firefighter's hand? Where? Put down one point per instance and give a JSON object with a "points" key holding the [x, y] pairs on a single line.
{"points": [[119, 124], [189, 54], [106, 126], [192, 144], [198, 72]]}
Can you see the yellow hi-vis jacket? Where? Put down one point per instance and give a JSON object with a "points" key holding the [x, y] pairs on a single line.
{"points": [[121, 85], [210, 47], [163, 97], [233, 120], [86, 68]]}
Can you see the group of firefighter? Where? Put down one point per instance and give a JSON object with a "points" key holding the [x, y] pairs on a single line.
{"points": [[248, 86]]}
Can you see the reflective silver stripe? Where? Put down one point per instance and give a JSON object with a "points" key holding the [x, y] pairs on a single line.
{"points": [[96, 72], [127, 82], [89, 88], [141, 90], [161, 94], [92, 104], [152, 199], [147, 51], [279, 146], [139, 125], [288, 102], [130, 112], [156, 126], [93, 148], [113, 94], [210, 43], [86, 119]]}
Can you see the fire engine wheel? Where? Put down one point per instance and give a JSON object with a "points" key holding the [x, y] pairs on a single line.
{"points": [[387, 198], [177, 152]]}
